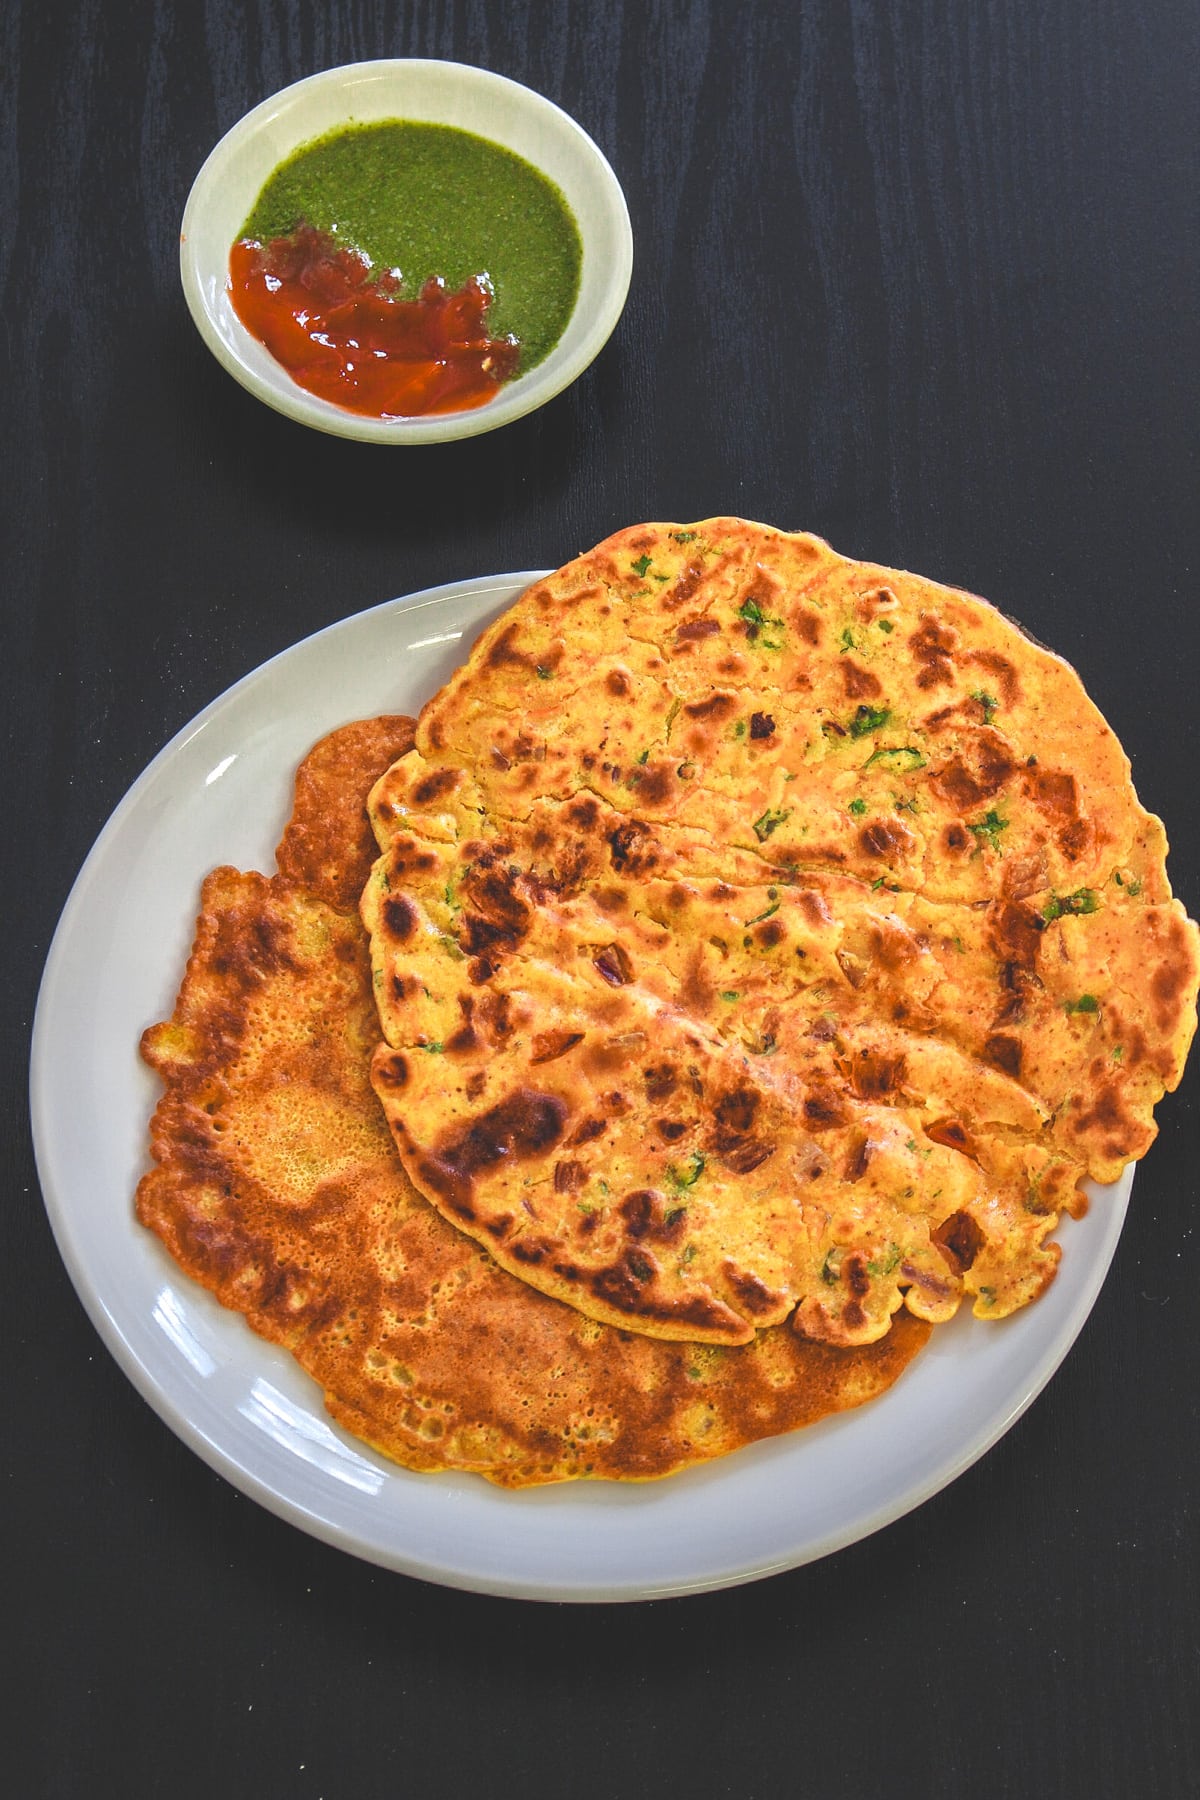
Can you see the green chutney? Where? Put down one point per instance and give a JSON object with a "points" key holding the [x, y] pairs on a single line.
{"points": [[433, 200]]}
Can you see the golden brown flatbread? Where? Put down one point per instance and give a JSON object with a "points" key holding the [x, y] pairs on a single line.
{"points": [[328, 840], [276, 1186], [759, 933]]}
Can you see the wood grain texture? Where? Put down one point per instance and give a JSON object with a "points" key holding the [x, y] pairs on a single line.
{"points": [[917, 275]]}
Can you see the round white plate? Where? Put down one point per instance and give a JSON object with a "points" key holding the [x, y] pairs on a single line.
{"points": [[220, 793], [442, 93]]}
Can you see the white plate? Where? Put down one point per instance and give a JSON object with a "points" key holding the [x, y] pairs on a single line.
{"points": [[220, 793], [442, 93]]}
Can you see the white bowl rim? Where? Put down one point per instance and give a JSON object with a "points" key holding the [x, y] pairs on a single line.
{"points": [[586, 331]]}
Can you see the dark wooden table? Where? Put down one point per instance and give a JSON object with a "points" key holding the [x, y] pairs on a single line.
{"points": [[919, 277]]}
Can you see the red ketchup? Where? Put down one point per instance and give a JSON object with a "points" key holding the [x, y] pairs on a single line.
{"points": [[344, 334]]}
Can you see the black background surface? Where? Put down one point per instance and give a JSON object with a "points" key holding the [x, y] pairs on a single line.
{"points": [[919, 277]]}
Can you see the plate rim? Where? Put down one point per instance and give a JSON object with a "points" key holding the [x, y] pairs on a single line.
{"points": [[222, 1456]]}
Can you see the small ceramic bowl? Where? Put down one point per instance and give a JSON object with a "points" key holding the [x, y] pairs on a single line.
{"points": [[441, 93]]}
